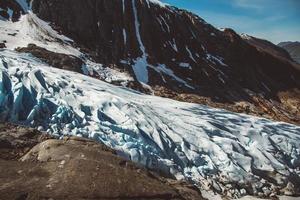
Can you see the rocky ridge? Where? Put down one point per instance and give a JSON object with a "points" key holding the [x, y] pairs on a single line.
{"points": [[293, 48]]}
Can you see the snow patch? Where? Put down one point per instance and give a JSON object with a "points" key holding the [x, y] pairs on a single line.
{"points": [[162, 68], [157, 2], [140, 66], [185, 65], [215, 60], [190, 54], [31, 29]]}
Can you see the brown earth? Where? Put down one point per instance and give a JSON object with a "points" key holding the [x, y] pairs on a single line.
{"points": [[36, 166]]}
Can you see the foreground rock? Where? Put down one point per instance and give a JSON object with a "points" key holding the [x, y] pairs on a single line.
{"points": [[75, 168]]}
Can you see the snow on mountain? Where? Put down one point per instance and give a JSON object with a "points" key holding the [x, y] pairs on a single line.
{"points": [[150, 41], [157, 2], [141, 64], [31, 29], [216, 149]]}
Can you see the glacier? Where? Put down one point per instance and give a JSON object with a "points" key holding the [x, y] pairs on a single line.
{"points": [[215, 149]]}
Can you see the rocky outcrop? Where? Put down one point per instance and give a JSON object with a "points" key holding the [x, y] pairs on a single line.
{"points": [[36, 166], [58, 60], [2, 45]]}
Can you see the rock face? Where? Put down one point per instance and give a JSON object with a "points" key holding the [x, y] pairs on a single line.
{"points": [[293, 48], [58, 60], [179, 55], [264, 45], [34, 166], [272, 49]]}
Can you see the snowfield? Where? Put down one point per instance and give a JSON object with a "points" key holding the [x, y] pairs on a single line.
{"points": [[216, 149]]}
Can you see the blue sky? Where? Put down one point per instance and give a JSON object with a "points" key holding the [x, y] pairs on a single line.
{"points": [[275, 20]]}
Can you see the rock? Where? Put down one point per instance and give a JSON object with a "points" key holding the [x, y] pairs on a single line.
{"points": [[2, 45], [14, 6], [266, 191], [58, 60], [76, 168], [16, 141], [289, 189]]}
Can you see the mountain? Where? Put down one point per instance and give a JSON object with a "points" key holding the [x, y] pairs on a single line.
{"points": [[293, 48], [178, 55], [74, 68], [272, 49]]}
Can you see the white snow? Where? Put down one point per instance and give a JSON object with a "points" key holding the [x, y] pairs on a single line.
{"points": [[173, 45], [166, 24], [140, 67], [190, 141], [123, 6], [124, 36], [105, 73], [215, 59], [30, 29], [157, 2], [246, 36], [185, 65], [190, 54], [162, 68]]}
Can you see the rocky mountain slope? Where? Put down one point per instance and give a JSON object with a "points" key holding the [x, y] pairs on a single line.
{"points": [[37, 166], [272, 49], [177, 54], [293, 48]]}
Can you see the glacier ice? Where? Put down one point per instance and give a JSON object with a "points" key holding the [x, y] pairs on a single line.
{"points": [[191, 141]]}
